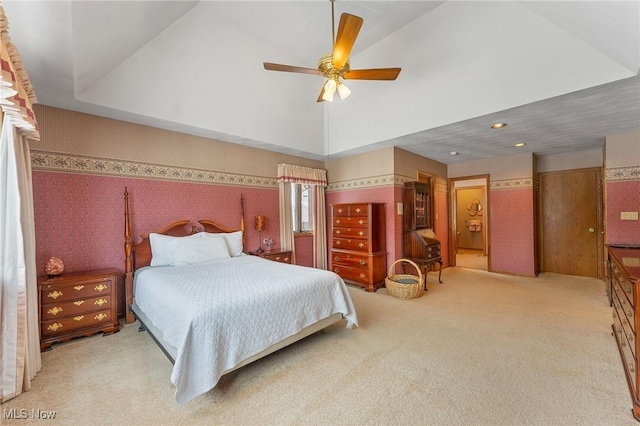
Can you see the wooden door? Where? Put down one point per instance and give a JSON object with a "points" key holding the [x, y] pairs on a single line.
{"points": [[570, 222]]}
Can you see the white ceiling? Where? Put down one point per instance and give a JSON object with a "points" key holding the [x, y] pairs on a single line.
{"points": [[562, 74]]}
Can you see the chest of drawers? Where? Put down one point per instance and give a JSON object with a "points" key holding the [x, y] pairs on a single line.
{"points": [[624, 273], [358, 244], [77, 304]]}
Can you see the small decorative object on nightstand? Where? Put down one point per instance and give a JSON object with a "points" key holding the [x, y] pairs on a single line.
{"points": [[268, 243], [77, 304], [54, 267], [277, 255]]}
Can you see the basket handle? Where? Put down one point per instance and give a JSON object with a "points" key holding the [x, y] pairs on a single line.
{"points": [[407, 261]]}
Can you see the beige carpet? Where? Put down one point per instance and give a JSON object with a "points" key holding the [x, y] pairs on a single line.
{"points": [[480, 349]]}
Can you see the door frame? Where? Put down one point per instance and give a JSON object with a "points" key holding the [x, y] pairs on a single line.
{"points": [[453, 227]]}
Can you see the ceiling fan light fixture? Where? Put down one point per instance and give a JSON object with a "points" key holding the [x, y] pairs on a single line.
{"points": [[343, 91], [329, 90]]}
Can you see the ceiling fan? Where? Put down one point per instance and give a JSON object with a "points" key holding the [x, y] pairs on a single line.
{"points": [[334, 66]]}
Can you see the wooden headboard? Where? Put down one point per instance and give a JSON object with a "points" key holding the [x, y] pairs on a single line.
{"points": [[139, 255]]}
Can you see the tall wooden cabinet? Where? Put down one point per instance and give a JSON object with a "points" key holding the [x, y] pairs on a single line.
{"points": [[421, 244], [358, 244], [624, 276]]}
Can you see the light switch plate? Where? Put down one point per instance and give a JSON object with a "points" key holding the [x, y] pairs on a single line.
{"points": [[628, 215]]}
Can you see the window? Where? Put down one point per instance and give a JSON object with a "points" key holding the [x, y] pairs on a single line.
{"points": [[301, 207]]}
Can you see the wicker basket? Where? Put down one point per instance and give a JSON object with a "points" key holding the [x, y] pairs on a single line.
{"points": [[405, 286]]}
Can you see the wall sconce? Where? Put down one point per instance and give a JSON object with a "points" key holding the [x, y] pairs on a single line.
{"points": [[261, 224]]}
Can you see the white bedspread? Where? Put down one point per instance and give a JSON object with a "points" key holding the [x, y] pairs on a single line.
{"points": [[221, 312]]}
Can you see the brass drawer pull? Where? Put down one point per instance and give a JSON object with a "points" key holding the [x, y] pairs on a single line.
{"points": [[78, 287], [54, 311], [54, 327], [100, 302], [55, 294], [78, 318], [362, 262], [100, 316], [100, 287], [78, 302]]}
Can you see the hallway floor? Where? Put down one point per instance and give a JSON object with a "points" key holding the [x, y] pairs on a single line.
{"points": [[471, 258]]}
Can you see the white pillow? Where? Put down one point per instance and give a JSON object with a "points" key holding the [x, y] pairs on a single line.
{"points": [[232, 239], [161, 249], [190, 250]]}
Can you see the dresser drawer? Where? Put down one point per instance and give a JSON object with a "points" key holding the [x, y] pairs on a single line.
{"points": [[351, 232], [627, 329], [626, 309], [620, 278], [628, 359], [351, 244], [57, 310], [351, 210], [351, 222], [66, 324], [350, 259], [52, 293], [348, 273]]}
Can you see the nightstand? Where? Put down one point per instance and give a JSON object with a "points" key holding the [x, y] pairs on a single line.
{"points": [[277, 255], [77, 304]]}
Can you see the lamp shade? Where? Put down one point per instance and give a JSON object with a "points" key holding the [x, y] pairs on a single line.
{"points": [[260, 223]]}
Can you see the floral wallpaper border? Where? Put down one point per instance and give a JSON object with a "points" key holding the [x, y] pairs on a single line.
{"points": [[69, 163], [519, 183], [623, 174], [382, 180]]}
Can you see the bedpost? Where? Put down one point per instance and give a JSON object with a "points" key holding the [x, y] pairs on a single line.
{"points": [[242, 220], [128, 269]]}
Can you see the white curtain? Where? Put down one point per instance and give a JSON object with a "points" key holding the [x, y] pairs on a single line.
{"points": [[320, 228], [20, 350], [288, 174], [286, 220], [19, 336]]}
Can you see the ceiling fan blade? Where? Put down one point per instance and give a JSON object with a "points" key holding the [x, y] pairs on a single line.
{"points": [[347, 32], [321, 95], [373, 74], [289, 68]]}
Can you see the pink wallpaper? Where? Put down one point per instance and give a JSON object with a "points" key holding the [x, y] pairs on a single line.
{"points": [[512, 225], [80, 218], [622, 196]]}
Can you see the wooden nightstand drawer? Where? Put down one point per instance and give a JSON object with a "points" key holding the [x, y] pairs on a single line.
{"points": [[74, 307], [52, 293], [75, 322], [77, 304], [282, 256]]}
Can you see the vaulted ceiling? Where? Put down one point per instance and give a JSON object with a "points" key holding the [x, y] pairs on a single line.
{"points": [[562, 74]]}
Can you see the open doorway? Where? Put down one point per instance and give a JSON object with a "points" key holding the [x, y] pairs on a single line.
{"points": [[470, 222]]}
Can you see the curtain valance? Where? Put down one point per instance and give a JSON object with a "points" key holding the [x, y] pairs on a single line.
{"points": [[298, 174], [16, 92]]}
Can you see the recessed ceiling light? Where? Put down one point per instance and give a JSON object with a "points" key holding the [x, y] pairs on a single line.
{"points": [[519, 144], [499, 125], [454, 152]]}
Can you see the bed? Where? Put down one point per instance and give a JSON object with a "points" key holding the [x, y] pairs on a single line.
{"points": [[213, 309]]}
